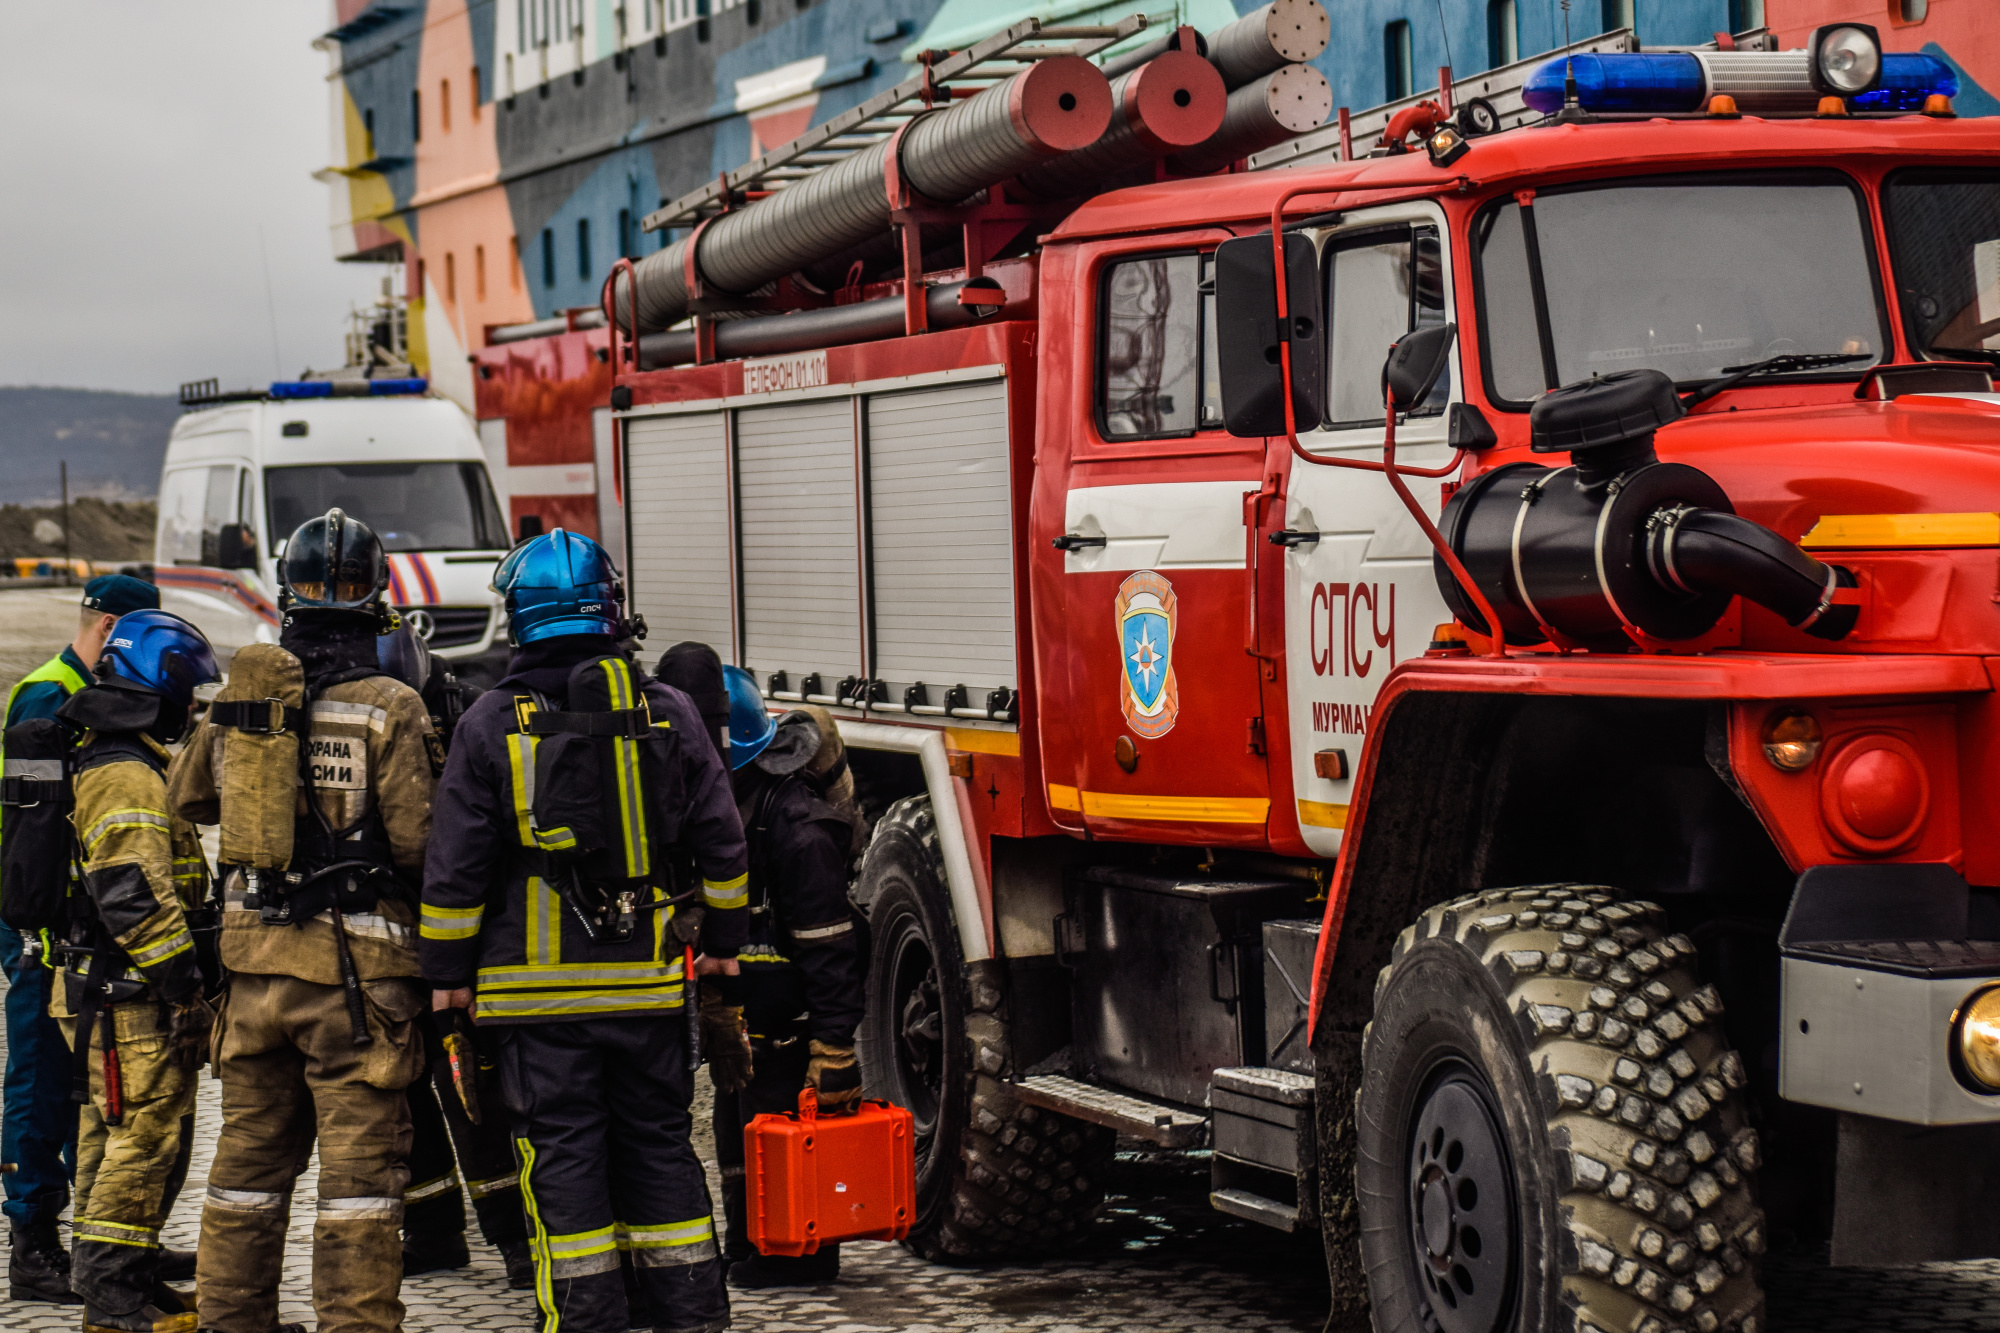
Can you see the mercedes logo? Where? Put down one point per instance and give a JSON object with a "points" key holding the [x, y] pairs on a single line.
{"points": [[421, 621]]}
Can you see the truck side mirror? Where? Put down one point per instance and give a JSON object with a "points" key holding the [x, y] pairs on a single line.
{"points": [[1415, 362], [1248, 335], [235, 547]]}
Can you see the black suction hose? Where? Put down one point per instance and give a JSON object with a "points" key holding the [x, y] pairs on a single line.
{"points": [[1698, 550]]}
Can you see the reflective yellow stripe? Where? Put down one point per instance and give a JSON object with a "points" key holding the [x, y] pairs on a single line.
{"points": [[1837, 531], [1170, 809], [177, 943], [432, 1188], [521, 760], [117, 1233], [544, 1285], [450, 923], [544, 923], [133, 817], [479, 1189], [577, 1004], [600, 1241], [982, 742], [596, 975], [625, 763], [665, 1234], [728, 893], [1065, 798], [767, 956], [1322, 814]]}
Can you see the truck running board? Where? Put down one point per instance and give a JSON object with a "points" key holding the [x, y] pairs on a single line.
{"points": [[1255, 1208], [1163, 1123]]}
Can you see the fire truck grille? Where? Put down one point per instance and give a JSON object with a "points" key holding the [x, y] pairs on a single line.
{"points": [[450, 626]]}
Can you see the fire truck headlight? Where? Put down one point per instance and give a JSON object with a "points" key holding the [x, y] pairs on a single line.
{"points": [[1976, 1033], [1846, 59], [1792, 740]]}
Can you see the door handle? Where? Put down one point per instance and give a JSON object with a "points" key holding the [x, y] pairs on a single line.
{"points": [[1291, 537], [1075, 541]]}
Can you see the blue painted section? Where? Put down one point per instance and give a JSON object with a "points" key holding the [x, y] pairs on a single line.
{"points": [[624, 180], [481, 14], [1459, 33], [1973, 99], [381, 74]]}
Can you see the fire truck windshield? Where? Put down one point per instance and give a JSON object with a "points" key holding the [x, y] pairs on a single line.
{"points": [[411, 506], [1687, 275], [1944, 239]]}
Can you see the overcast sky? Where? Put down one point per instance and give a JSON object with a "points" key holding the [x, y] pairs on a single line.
{"points": [[146, 146]]}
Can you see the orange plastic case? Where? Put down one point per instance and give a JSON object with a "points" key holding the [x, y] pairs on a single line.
{"points": [[813, 1180]]}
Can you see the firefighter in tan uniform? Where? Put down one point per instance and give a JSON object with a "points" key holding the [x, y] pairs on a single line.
{"points": [[315, 1036], [131, 988]]}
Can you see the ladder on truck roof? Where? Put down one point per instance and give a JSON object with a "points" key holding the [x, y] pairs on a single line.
{"points": [[945, 77]]}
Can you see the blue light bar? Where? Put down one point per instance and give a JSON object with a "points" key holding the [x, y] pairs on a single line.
{"points": [[1906, 81], [1664, 82], [347, 388], [1659, 82]]}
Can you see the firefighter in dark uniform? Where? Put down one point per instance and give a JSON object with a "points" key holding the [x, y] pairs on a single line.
{"points": [[313, 747], [802, 971], [547, 910], [451, 1154], [130, 995]]}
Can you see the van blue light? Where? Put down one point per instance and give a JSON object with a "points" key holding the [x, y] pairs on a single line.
{"points": [[1664, 82], [348, 388]]}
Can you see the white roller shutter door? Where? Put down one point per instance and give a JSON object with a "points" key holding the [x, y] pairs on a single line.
{"points": [[678, 496], [800, 551], [942, 539]]}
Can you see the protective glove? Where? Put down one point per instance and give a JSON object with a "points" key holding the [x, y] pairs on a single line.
{"points": [[833, 1074], [725, 1040], [188, 1026]]}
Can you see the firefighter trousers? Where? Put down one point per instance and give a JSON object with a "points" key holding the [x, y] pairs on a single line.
{"points": [[484, 1162], [601, 1123], [291, 1073], [124, 1169], [779, 1076]]}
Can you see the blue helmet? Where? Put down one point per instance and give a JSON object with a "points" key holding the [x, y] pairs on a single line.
{"points": [[160, 651], [751, 725], [561, 583]]}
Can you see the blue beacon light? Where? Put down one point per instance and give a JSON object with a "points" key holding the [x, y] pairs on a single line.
{"points": [[347, 388], [1665, 82]]}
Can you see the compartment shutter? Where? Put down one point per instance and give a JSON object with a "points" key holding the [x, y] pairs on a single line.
{"points": [[940, 521], [678, 495], [800, 550]]}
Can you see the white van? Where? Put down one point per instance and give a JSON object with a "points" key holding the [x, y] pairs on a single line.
{"points": [[243, 471]]}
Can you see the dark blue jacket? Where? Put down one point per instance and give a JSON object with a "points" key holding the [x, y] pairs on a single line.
{"points": [[488, 922]]}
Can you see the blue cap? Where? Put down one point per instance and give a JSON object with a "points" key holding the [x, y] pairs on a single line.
{"points": [[751, 725], [559, 583], [160, 651], [116, 594]]}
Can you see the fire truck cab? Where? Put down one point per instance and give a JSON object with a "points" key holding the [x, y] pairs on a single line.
{"points": [[1545, 877]]}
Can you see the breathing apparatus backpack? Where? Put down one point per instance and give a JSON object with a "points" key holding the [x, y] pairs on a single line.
{"points": [[601, 831], [38, 851]]}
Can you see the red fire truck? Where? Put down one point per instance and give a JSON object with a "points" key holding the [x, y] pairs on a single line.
{"points": [[1547, 878]]}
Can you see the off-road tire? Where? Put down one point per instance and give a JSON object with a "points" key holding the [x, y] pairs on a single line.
{"points": [[996, 1178], [1617, 1098]]}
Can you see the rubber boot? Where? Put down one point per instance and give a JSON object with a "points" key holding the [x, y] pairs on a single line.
{"points": [[520, 1261], [176, 1265], [147, 1318], [38, 1266], [435, 1253]]}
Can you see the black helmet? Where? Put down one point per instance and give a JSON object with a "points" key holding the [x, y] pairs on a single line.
{"points": [[334, 562]]}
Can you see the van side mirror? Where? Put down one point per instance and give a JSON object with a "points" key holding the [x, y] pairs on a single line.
{"points": [[1415, 362], [235, 547], [1248, 336]]}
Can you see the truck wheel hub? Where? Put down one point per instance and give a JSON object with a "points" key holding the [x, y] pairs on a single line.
{"points": [[1462, 1218]]}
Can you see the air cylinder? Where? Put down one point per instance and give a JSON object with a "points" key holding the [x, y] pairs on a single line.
{"points": [[1055, 106]]}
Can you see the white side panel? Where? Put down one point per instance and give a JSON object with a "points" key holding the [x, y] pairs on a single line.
{"points": [[610, 498], [1157, 525], [801, 563], [680, 509], [939, 516], [493, 442]]}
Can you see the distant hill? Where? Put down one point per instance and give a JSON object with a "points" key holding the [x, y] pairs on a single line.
{"points": [[113, 442]]}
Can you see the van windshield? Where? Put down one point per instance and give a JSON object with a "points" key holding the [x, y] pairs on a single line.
{"points": [[411, 506], [1693, 276]]}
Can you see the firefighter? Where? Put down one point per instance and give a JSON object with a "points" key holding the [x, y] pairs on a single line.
{"points": [[317, 1033], [802, 970], [40, 1124], [451, 1154], [549, 914], [130, 1001]]}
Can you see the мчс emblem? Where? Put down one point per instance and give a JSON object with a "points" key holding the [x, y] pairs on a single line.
{"points": [[1147, 691]]}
